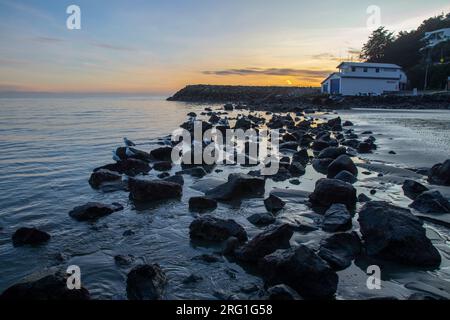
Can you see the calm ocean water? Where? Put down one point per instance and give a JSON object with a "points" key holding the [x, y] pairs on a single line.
{"points": [[49, 148]]}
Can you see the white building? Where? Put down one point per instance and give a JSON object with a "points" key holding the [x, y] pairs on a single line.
{"points": [[356, 78]]}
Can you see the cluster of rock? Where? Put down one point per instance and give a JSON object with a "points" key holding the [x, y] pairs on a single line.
{"points": [[387, 232]]}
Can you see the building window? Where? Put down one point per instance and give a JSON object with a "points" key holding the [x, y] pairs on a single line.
{"points": [[353, 69], [377, 70], [365, 69]]}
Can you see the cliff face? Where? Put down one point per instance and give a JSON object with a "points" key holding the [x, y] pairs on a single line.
{"points": [[243, 94]]}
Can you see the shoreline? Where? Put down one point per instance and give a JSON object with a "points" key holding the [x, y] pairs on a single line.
{"points": [[300, 216]]}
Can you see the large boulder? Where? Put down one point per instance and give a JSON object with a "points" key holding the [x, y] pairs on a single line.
{"points": [[302, 270], [340, 250], [201, 204], [265, 243], [440, 174], [238, 186], [431, 202], [393, 233], [413, 189], [214, 229], [29, 236], [342, 163], [102, 176], [178, 179], [48, 287], [274, 204], [146, 282], [332, 152], [93, 211], [346, 177], [144, 190], [321, 165], [337, 218], [331, 191]]}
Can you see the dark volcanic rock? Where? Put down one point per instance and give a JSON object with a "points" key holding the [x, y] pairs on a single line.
{"points": [[31, 236], [340, 250], [363, 198], [146, 282], [301, 156], [334, 122], [365, 147], [296, 169], [302, 270], [143, 190], [228, 107], [197, 172], [103, 176], [332, 152], [238, 186], [94, 210], [178, 179], [346, 177], [291, 145], [347, 124], [342, 163], [133, 153], [274, 204], [214, 229], [431, 202], [330, 191], [131, 167], [321, 165], [393, 233], [162, 166], [319, 145], [282, 292], [413, 189], [201, 204], [265, 243], [337, 218], [50, 287], [261, 219], [440, 174], [243, 123]]}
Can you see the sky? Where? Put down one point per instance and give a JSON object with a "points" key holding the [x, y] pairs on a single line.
{"points": [[158, 47]]}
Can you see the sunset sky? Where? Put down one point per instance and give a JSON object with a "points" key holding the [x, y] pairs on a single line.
{"points": [[160, 46]]}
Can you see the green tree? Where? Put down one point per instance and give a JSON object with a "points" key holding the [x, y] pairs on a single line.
{"points": [[375, 48]]}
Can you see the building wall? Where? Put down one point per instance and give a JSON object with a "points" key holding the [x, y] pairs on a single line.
{"points": [[354, 87], [372, 72]]}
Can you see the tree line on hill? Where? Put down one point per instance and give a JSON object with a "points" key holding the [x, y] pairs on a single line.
{"points": [[404, 49]]}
